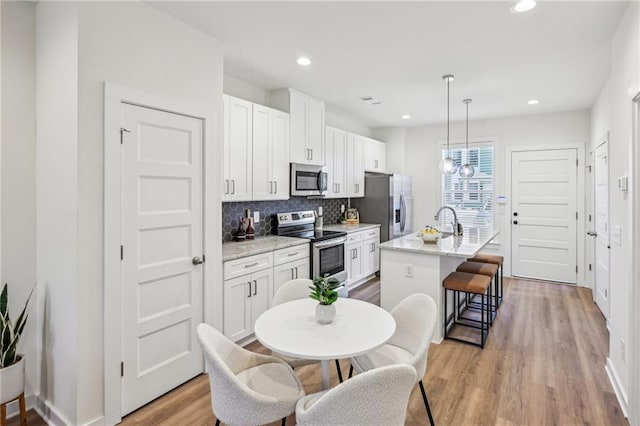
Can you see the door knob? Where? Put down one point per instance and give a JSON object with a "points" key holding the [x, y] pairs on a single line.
{"points": [[197, 260], [515, 222]]}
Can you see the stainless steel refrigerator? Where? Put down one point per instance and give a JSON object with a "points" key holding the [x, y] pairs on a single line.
{"points": [[388, 200]]}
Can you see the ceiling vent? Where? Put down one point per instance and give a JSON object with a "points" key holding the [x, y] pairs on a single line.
{"points": [[370, 100]]}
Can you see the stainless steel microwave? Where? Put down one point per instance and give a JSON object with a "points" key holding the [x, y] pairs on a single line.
{"points": [[308, 180]]}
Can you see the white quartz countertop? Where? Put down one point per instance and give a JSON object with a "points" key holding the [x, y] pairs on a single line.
{"points": [[467, 245], [236, 250], [356, 227]]}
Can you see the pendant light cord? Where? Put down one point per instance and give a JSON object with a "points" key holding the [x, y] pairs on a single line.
{"points": [[448, 150], [467, 131]]}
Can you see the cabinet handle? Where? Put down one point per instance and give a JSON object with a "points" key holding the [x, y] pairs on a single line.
{"points": [[233, 186], [226, 186], [355, 252], [292, 254], [251, 265], [276, 185], [376, 164], [270, 187], [249, 289], [255, 287], [312, 154], [338, 188], [296, 269]]}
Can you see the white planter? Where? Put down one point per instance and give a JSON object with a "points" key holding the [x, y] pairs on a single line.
{"points": [[325, 313], [12, 381]]}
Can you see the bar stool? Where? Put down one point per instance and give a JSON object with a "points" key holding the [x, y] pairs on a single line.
{"points": [[491, 271], [464, 282], [496, 260]]}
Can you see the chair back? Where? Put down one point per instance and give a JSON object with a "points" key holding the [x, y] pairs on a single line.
{"points": [[292, 290], [376, 397], [415, 323]]}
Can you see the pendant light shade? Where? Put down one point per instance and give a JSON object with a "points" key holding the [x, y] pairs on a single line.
{"points": [[467, 170], [448, 165]]}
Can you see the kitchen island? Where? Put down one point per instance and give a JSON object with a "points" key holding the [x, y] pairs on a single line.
{"points": [[409, 266]]}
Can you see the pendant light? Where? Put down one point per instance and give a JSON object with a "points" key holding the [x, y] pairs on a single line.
{"points": [[467, 170], [448, 165]]}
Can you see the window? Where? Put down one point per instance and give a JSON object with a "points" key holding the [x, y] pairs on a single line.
{"points": [[472, 198]]}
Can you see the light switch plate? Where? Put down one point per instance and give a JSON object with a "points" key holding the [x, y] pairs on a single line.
{"points": [[256, 216]]}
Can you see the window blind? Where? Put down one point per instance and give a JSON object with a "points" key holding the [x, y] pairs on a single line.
{"points": [[472, 198]]}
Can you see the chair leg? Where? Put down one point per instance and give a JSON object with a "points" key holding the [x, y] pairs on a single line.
{"points": [[3, 414], [350, 371], [23, 411], [339, 371], [426, 403], [217, 422], [284, 421]]}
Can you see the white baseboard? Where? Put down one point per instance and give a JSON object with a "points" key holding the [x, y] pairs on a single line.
{"points": [[50, 413], [621, 395]]}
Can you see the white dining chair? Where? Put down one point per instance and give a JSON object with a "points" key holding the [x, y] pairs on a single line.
{"points": [[376, 397], [415, 323], [247, 388], [295, 290]]}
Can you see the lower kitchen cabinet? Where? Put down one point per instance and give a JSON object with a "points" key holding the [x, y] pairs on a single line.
{"points": [[290, 271], [362, 256], [245, 298]]}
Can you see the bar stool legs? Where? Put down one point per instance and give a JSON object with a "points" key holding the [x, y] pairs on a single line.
{"points": [[469, 284]]}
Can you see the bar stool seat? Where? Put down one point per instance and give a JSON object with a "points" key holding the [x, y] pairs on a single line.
{"points": [[490, 270], [467, 283], [496, 260]]}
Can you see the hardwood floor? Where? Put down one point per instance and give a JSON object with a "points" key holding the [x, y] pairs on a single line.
{"points": [[543, 364]]}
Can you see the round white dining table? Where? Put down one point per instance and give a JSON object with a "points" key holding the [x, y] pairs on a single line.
{"points": [[291, 329]]}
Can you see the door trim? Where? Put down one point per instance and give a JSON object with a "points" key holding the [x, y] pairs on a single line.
{"points": [[634, 394], [114, 96], [580, 202]]}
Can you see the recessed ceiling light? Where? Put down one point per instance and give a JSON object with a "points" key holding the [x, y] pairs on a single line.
{"points": [[523, 6], [533, 102], [406, 117], [304, 61]]}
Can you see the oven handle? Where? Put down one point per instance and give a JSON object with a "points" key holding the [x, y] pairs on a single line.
{"points": [[331, 243]]}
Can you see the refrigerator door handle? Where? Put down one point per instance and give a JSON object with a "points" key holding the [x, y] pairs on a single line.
{"points": [[403, 213]]}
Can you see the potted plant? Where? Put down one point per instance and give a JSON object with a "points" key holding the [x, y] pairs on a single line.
{"points": [[11, 363], [324, 291]]}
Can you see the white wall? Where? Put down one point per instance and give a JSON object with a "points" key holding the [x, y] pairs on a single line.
{"points": [[18, 261], [613, 112], [422, 158], [57, 200]]}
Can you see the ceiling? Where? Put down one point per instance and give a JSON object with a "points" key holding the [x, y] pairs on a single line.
{"points": [[397, 52]]}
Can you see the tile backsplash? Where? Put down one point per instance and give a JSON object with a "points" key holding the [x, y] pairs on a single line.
{"points": [[232, 212]]}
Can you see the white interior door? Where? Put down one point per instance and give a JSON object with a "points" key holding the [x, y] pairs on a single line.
{"points": [[544, 215], [589, 201], [162, 294], [601, 196]]}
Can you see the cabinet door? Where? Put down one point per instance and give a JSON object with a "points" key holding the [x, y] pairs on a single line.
{"points": [[237, 308], [329, 147], [354, 262], [261, 293], [382, 157], [226, 190], [370, 257], [280, 155], [302, 268], [298, 114], [282, 274], [339, 163], [263, 186], [355, 165], [370, 155], [315, 131], [240, 149]]}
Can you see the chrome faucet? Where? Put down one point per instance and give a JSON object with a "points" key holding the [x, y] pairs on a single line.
{"points": [[457, 228]]}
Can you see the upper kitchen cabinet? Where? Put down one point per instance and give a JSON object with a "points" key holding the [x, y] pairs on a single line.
{"points": [[306, 115], [270, 154], [355, 166], [335, 150], [374, 155], [238, 145]]}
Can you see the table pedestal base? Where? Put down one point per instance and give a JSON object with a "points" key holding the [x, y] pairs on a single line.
{"points": [[324, 364]]}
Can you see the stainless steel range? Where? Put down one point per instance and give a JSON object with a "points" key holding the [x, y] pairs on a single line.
{"points": [[327, 247]]}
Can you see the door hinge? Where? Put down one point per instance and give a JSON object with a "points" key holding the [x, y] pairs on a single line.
{"points": [[576, 269], [606, 293], [122, 132], [589, 266], [576, 215], [589, 218], [121, 368], [121, 252]]}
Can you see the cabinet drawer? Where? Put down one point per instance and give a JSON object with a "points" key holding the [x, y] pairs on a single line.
{"points": [[354, 237], [290, 254], [247, 265], [371, 233]]}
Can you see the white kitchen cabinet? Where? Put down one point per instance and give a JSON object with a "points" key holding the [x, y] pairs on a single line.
{"points": [[370, 256], [245, 298], [237, 148], [270, 154], [335, 151], [375, 153], [355, 166], [290, 271], [307, 117], [362, 256], [354, 263]]}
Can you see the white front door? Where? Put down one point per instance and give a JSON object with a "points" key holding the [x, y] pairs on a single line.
{"points": [[544, 215], [162, 226], [601, 197]]}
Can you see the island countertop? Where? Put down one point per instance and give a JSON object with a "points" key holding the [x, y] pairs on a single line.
{"points": [[467, 245], [348, 227]]}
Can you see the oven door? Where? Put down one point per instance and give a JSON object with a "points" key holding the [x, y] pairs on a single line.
{"points": [[308, 180], [329, 259]]}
